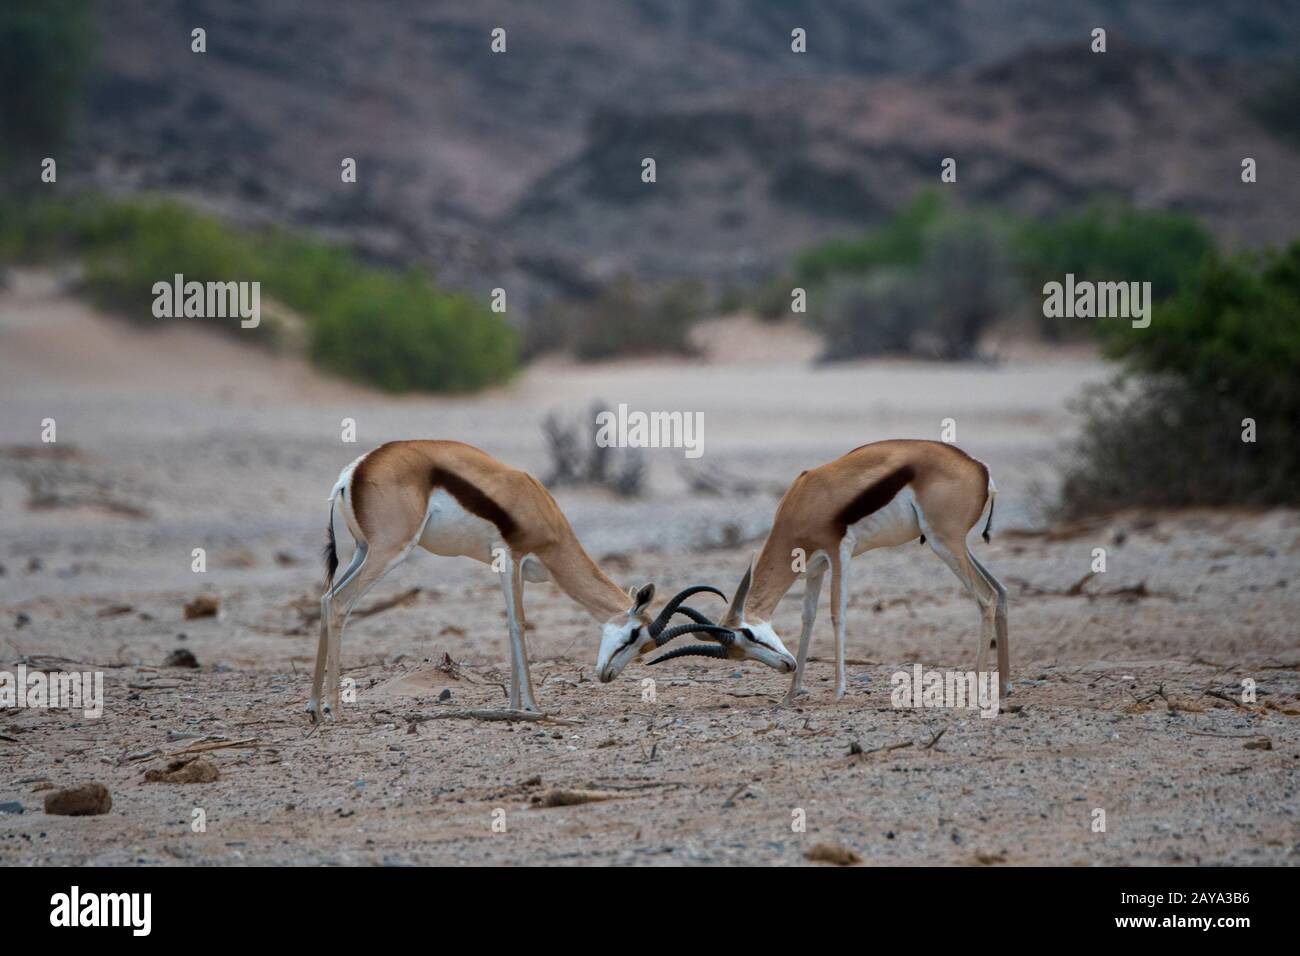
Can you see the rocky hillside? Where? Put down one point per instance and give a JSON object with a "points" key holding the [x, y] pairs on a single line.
{"points": [[523, 169]]}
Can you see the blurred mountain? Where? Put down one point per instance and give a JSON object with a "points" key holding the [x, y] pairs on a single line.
{"points": [[523, 170]]}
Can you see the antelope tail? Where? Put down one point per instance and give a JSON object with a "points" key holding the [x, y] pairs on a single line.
{"points": [[993, 494]]}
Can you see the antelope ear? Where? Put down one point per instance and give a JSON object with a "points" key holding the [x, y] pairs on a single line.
{"points": [[733, 615], [641, 599]]}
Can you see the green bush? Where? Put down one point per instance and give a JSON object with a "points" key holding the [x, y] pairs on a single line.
{"points": [[930, 284], [393, 330], [1225, 349], [1235, 332], [401, 334], [1110, 243], [898, 242], [973, 267]]}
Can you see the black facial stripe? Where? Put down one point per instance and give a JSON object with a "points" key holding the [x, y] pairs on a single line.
{"points": [[631, 638]]}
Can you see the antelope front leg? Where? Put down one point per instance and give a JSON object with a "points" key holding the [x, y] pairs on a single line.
{"points": [[839, 609], [521, 681], [811, 592]]}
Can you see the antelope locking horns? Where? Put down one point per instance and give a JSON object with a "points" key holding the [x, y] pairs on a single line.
{"points": [[722, 635], [672, 607], [694, 650]]}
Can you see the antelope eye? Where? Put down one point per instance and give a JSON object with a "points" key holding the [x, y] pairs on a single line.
{"points": [[749, 634], [636, 631]]}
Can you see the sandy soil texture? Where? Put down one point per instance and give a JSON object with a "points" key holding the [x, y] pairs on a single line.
{"points": [[1128, 684]]}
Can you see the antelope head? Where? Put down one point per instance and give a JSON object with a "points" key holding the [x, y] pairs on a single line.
{"points": [[737, 639], [625, 637]]}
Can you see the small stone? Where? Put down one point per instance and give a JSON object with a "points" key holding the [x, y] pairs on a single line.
{"points": [[13, 806], [181, 657], [1263, 743], [832, 853], [205, 605], [445, 695], [22, 619], [83, 800], [193, 770]]}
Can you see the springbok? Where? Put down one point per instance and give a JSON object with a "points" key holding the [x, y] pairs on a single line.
{"points": [[453, 499], [880, 495]]}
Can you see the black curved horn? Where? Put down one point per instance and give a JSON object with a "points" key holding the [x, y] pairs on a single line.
{"points": [[660, 622], [693, 650], [687, 611], [722, 635]]}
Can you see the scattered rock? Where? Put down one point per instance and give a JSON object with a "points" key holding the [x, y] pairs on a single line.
{"points": [[181, 657], [284, 559], [83, 800], [1263, 743], [445, 695], [571, 798], [832, 853], [191, 770], [22, 619], [202, 606], [13, 806], [113, 610], [988, 859], [34, 565]]}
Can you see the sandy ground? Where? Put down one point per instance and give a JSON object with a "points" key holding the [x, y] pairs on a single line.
{"points": [[178, 439]]}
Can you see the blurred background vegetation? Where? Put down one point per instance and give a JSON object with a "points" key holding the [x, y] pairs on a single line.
{"points": [[924, 278]]}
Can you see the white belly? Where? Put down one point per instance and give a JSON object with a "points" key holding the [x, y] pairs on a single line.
{"points": [[453, 532], [894, 524]]}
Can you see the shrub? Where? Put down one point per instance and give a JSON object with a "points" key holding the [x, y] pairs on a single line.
{"points": [[393, 330], [401, 334], [1223, 350], [899, 242], [1110, 243], [625, 319], [975, 267], [936, 300]]}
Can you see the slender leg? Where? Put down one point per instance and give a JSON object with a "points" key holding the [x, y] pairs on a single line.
{"points": [[344, 598], [839, 609], [322, 648], [999, 621], [983, 592], [812, 590], [521, 681]]}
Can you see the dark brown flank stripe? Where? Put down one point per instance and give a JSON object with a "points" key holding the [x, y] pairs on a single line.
{"points": [[467, 495], [874, 497], [472, 499]]}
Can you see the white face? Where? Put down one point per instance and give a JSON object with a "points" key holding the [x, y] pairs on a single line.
{"points": [[758, 642], [625, 637], [621, 642]]}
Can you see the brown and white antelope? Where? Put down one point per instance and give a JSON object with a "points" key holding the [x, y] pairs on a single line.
{"points": [[880, 495], [453, 499]]}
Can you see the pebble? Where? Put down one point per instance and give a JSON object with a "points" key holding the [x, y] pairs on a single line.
{"points": [[83, 800]]}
